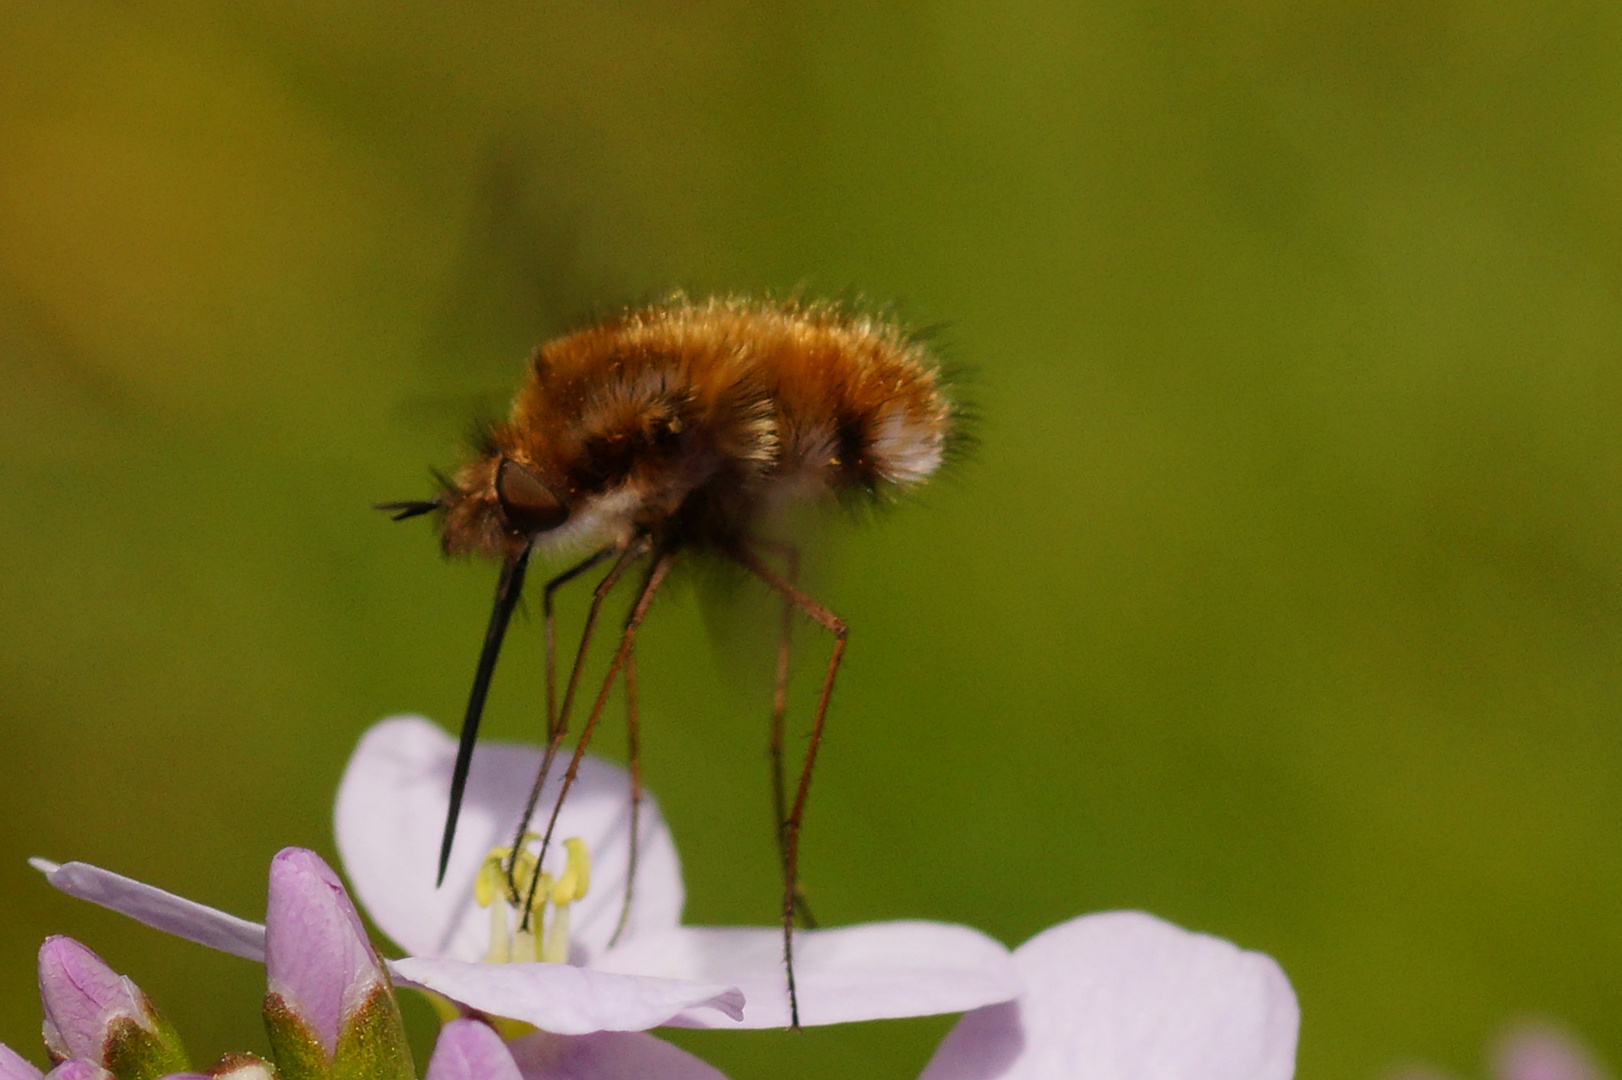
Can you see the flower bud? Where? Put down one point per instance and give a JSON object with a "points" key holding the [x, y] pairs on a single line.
{"points": [[470, 1050], [329, 1006], [79, 1069], [96, 1015]]}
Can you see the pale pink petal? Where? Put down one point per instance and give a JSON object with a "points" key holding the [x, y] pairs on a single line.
{"points": [[564, 999], [156, 908], [870, 971], [13, 1066], [391, 812], [83, 999], [1538, 1050], [1127, 996], [470, 1050], [606, 1055], [79, 1069], [317, 957]]}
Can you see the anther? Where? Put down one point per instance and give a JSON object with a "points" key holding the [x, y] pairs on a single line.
{"points": [[519, 936]]}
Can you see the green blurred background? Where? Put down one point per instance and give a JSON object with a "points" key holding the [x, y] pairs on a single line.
{"points": [[1283, 597]]}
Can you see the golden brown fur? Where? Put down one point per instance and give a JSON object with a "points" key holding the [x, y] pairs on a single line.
{"points": [[689, 422]]}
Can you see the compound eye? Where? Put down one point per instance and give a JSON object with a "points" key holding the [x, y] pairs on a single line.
{"points": [[529, 505]]}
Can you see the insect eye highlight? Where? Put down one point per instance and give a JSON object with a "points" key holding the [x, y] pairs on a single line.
{"points": [[529, 505]]}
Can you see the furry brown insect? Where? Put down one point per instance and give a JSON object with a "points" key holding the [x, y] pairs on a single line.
{"points": [[685, 428]]}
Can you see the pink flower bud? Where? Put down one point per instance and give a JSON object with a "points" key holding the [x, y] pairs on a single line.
{"points": [[317, 958], [470, 1050], [84, 1001], [94, 1014], [329, 1006], [79, 1069]]}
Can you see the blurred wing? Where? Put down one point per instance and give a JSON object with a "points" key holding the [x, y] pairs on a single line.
{"points": [[744, 618]]}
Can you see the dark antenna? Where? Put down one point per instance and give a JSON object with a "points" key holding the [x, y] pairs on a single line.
{"points": [[508, 588], [399, 511]]}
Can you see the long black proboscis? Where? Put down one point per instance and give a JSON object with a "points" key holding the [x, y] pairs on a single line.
{"points": [[508, 588]]}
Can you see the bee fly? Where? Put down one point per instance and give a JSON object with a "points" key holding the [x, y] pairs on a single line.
{"points": [[681, 429]]}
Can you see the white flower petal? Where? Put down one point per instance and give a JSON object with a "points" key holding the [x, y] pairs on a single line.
{"points": [[871, 971], [564, 999], [606, 1055], [391, 813], [158, 909], [1127, 996]]}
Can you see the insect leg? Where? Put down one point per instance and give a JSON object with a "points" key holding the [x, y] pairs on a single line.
{"points": [[774, 747], [633, 751], [508, 588], [657, 573], [547, 620], [633, 551], [791, 844]]}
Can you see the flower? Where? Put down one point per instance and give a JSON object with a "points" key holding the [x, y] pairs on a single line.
{"points": [[391, 808], [1123, 995], [590, 1011]]}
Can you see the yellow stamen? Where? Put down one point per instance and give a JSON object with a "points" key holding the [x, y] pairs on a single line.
{"points": [[527, 938], [576, 877], [571, 886], [489, 889], [492, 874], [492, 888], [515, 937], [500, 950], [555, 950]]}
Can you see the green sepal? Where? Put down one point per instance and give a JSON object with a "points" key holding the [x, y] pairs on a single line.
{"points": [[137, 1051], [372, 1045], [298, 1053]]}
